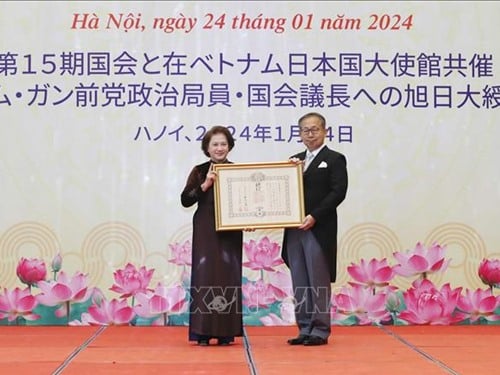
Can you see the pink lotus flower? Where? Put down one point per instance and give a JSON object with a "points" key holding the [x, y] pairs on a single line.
{"points": [[130, 280], [427, 305], [259, 294], [181, 253], [85, 320], [272, 320], [368, 307], [489, 272], [262, 255], [421, 261], [114, 312], [31, 271], [373, 274], [64, 291], [18, 304], [479, 304], [287, 316], [162, 301], [282, 282]]}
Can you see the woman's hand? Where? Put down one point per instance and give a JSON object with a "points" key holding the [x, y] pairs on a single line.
{"points": [[209, 179]]}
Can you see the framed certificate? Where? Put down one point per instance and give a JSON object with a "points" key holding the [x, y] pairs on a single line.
{"points": [[258, 195]]}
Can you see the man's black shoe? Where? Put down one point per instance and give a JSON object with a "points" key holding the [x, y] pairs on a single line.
{"points": [[299, 340], [315, 340]]}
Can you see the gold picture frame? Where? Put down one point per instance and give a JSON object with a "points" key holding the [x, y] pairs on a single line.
{"points": [[258, 195]]}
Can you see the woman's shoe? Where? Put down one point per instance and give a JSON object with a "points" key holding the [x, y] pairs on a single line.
{"points": [[203, 342], [224, 342]]}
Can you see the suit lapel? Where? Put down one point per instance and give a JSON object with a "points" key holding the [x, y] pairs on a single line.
{"points": [[316, 161]]}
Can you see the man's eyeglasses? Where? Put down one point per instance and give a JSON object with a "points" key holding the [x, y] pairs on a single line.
{"points": [[313, 131]]}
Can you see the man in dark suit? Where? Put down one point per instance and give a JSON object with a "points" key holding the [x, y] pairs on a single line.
{"points": [[310, 251]]}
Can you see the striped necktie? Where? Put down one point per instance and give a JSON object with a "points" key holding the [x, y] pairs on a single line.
{"points": [[309, 158]]}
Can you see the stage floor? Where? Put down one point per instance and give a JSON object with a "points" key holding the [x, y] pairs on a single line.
{"points": [[263, 350]]}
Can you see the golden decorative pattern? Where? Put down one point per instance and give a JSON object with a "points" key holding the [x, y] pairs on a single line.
{"points": [[465, 248], [367, 241], [30, 240], [110, 246]]}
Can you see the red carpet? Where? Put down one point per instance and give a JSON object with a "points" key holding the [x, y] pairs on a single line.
{"points": [[165, 350]]}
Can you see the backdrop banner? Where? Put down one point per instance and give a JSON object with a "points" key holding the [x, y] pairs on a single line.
{"points": [[103, 106]]}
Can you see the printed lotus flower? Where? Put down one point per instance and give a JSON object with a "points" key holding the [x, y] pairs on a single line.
{"points": [[114, 312], [85, 320], [375, 273], [259, 294], [18, 303], [393, 302], [425, 304], [129, 281], [368, 307], [479, 304], [56, 263], [162, 301], [282, 282], [181, 253], [421, 261], [185, 278], [31, 271], [272, 320], [287, 313], [262, 255], [97, 296], [64, 291], [489, 272]]}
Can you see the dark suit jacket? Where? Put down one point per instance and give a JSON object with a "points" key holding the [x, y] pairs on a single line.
{"points": [[325, 187]]}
